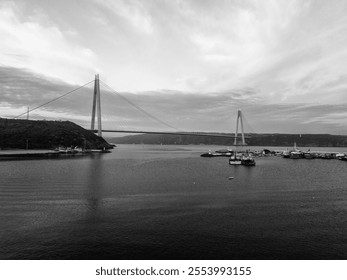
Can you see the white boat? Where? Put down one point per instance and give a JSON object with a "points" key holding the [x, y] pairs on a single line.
{"points": [[210, 154], [225, 152], [99, 150], [78, 149], [235, 159], [340, 155], [286, 154], [294, 154]]}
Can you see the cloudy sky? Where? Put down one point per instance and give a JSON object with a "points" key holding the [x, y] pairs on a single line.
{"points": [[190, 63]]}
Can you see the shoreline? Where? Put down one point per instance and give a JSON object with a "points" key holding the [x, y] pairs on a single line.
{"points": [[37, 154]]}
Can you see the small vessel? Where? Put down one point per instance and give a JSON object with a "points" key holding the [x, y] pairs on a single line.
{"points": [[60, 149], [296, 154], [344, 158], [309, 155], [278, 153], [78, 149], [248, 161], [206, 155], [266, 152], [327, 156], [340, 155], [225, 152], [286, 154], [65, 150], [235, 159], [104, 150], [210, 154]]}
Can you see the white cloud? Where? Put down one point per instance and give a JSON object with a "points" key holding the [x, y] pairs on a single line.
{"points": [[334, 119], [287, 51], [131, 11], [42, 49]]}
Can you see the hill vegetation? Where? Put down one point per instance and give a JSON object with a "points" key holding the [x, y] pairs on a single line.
{"points": [[302, 140], [22, 134]]}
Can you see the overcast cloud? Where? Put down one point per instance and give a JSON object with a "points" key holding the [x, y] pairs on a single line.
{"points": [[190, 63]]}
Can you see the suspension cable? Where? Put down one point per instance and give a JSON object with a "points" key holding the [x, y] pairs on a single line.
{"points": [[248, 124], [55, 99], [138, 107]]}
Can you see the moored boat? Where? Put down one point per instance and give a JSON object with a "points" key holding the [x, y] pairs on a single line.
{"points": [[340, 155], [296, 154], [225, 152], [206, 155], [309, 155], [248, 161], [210, 154], [286, 154], [327, 156], [235, 159]]}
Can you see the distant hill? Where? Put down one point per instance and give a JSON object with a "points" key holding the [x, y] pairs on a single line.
{"points": [[268, 139], [20, 134]]}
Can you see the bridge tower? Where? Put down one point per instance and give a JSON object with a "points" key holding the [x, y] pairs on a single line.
{"points": [[239, 118], [96, 106]]}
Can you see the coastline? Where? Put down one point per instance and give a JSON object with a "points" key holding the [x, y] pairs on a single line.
{"points": [[43, 154]]}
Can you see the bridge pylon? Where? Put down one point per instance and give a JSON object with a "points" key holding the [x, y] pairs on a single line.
{"points": [[96, 106], [239, 118]]}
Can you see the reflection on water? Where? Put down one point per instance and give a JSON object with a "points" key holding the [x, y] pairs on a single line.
{"points": [[166, 202], [94, 183]]}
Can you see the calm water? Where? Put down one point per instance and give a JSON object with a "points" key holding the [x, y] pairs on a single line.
{"points": [[166, 202]]}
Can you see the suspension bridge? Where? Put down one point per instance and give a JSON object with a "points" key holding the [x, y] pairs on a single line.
{"points": [[96, 117]]}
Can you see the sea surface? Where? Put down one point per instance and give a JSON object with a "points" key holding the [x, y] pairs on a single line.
{"points": [[167, 202]]}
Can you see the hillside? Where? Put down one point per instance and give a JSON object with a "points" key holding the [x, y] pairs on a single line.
{"points": [[22, 134], [304, 140]]}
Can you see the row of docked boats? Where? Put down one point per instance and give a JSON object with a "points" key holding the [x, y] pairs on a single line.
{"points": [[49, 154], [298, 154], [78, 150], [242, 159], [219, 153], [247, 157], [313, 155], [235, 158]]}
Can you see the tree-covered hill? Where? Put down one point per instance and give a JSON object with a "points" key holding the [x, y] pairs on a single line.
{"points": [[22, 134]]}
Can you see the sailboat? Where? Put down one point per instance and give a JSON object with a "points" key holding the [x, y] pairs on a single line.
{"points": [[296, 153]]}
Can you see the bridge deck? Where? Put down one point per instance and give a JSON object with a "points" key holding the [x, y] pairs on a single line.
{"points": [[213, 134]]}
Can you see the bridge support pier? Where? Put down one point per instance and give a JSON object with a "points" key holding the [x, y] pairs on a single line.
{"points": [[96, 106], [239, 118]]}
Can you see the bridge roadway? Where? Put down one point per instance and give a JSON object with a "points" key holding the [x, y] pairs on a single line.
{"points": [[213, 134]]}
